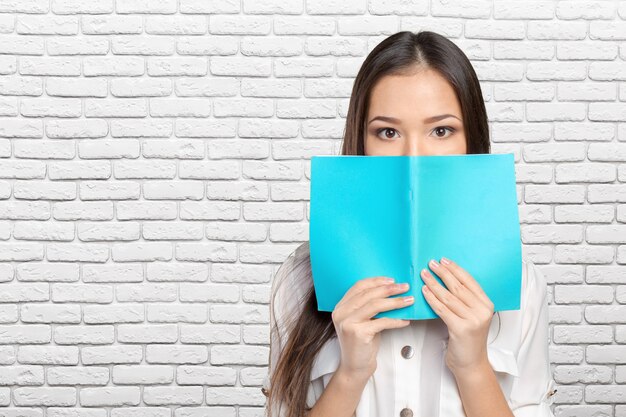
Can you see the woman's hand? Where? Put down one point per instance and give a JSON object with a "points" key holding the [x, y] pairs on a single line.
{"points": [[358, 333], [466, 310]]}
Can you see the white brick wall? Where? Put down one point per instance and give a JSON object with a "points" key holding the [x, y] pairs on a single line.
{"points": [[154, 173]]}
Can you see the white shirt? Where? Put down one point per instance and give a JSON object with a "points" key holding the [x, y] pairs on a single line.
{"points": [[411, 374]]}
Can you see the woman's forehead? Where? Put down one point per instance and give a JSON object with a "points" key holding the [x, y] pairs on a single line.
{"points": [[413, 97]]}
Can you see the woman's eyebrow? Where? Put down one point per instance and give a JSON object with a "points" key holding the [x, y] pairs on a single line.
{"points": [[427, 120], [385, 119], [440, 117]]}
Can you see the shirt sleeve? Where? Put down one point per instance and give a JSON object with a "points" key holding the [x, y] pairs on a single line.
{"points": [[287, 296], [533, 389], [316, 388]]}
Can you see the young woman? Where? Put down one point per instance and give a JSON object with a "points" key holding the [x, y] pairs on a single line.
{"points": [[415, 94]]}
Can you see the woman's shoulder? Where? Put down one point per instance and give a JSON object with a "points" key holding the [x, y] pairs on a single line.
{"points": [[327, 358], [291, 282], [534, 283]]}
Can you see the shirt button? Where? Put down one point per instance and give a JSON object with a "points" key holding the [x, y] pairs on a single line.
{"points": [[407, 352], [406, 412]]}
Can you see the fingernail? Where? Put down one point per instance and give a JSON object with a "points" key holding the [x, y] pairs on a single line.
{"points": [[445, 261], [434, 263]]}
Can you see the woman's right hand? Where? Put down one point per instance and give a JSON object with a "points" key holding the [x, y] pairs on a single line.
{"points": [[358, 333]]}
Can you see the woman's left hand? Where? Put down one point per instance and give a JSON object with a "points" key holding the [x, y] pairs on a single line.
{"points": [[466, 310]]}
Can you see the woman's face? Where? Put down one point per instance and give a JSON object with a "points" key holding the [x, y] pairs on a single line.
{"points": [[419, 115]]}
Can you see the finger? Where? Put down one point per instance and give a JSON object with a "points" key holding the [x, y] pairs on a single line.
{"points": [[453, 285], [367, 296], [444, 296], [375, 306], [467, 280], [363, 285], [377, 325], [438, 307], [345, 305]]}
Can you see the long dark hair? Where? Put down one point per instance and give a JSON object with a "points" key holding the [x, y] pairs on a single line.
{"points": [[300, 336]]}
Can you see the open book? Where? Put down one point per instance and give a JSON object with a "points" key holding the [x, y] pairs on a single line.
{"points": [[390, 215]]}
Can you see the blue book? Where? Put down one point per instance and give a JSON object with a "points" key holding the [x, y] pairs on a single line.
{"points": [[390, 215]]}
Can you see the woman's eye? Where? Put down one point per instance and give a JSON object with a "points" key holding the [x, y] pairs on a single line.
{"points": [[386, 132], [443, 129]]}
